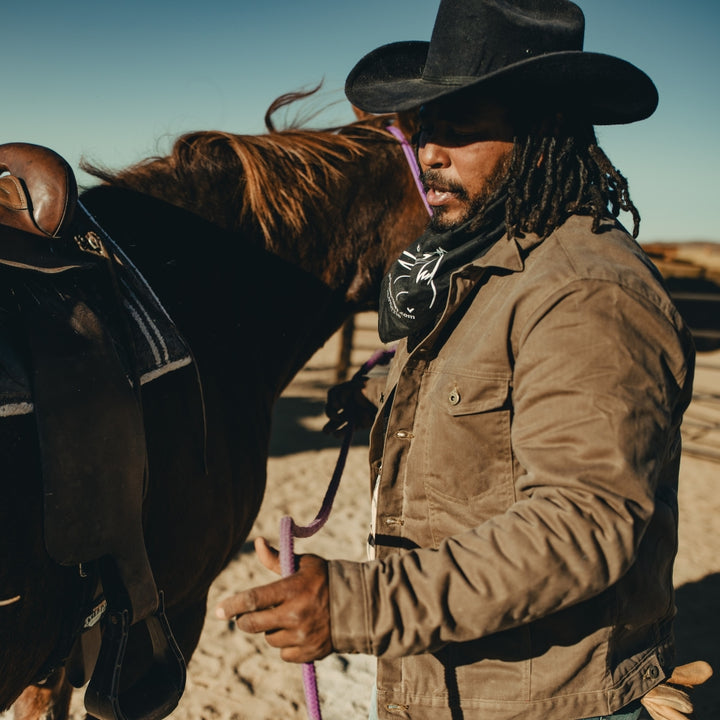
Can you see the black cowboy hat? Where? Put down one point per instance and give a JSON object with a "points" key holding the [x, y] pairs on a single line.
{"points": [[528, 51]]}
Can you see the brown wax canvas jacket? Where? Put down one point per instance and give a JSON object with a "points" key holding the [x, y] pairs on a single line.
{"points": [[527, 452]]}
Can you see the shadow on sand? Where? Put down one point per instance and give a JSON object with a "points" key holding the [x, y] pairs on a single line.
{"points": [[290, 434]]}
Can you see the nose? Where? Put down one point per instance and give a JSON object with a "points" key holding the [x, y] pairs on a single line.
{"points": [[431, 154]]}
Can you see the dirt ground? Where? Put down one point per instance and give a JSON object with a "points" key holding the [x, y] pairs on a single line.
{"points": [[233, 676]]}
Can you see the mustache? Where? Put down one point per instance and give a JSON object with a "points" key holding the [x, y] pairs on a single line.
{"points": [[434, 179]]}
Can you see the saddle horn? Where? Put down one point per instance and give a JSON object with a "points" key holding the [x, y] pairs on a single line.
{"points": [[39, 193]]}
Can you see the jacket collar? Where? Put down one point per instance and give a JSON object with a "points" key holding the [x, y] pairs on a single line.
{"points": [[506, 253], [510, 254]]}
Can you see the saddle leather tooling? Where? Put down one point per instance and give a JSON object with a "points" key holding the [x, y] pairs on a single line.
{"points": [[86, 397]]}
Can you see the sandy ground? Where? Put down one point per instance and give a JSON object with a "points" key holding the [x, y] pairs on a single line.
{"points": [[233, 676]]}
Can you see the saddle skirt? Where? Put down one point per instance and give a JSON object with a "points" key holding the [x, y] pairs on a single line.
{"points": [[158, 345]]}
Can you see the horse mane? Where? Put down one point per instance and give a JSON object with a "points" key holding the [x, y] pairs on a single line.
{"points": [[278, 182]]}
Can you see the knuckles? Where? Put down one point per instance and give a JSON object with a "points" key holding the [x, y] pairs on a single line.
{"points": [[249, 600], [247, 623]]}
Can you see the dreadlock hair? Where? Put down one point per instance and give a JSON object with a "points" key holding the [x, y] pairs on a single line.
{"points": [[552, 175]]}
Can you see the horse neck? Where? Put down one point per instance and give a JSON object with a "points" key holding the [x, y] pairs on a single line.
{"points": [[294, 318], [371, 219]]}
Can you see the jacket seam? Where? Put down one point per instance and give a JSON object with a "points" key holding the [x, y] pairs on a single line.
{"points": [[366, 613]]}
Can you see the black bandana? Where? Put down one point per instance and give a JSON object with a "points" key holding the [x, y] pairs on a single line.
{"points": [[413, 293]]}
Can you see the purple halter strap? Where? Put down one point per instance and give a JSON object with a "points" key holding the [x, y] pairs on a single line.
{"points": [[412, 162]]}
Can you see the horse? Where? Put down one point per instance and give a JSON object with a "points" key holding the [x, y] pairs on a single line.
{"points": [[258, 247]]}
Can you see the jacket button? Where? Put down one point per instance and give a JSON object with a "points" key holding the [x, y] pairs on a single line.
{"points": [[404, 435], [454, 397]]}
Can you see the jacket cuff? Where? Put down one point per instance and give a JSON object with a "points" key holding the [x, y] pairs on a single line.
{"points": [[349, 608]]}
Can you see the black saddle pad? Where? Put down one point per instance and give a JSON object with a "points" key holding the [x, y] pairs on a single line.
{"points": [[159, 347]]}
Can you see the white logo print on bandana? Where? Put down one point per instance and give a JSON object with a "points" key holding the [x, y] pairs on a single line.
{"points": [[414, 291], [422, 269]]}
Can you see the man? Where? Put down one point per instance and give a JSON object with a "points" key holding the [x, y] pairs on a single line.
{"points": [[525, 453]]}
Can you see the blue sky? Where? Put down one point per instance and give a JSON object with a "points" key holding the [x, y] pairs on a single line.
{"points": [[115, 82]]}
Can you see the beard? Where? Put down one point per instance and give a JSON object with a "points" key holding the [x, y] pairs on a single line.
{"points": [[476, 205]]}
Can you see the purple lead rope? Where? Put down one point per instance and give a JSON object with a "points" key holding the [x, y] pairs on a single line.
{"points": [[289, 531]]}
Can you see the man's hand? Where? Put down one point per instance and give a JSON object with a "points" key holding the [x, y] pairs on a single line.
{"points": [[294, 612], [347, 403]]}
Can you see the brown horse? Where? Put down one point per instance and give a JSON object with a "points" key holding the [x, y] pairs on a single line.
{"points": [[258, 247]]}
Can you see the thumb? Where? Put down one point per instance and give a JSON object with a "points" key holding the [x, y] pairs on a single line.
{"points": [[267, 555]]}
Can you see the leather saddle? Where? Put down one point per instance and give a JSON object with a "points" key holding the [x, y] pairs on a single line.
{"points": [[88, 412]]}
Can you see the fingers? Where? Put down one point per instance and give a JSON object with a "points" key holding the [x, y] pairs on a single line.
{"points": [[293, 612], [336, 410], [346, 404], [262, 621], [260, 597], [338, 425], [301, 641], [335, 427], [267, 555], [252, 600]]}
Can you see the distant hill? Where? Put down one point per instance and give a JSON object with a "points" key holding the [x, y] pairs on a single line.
{"points": [[686, 259]]}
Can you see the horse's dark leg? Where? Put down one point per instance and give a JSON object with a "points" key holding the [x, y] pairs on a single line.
{"points": [[49, 701]]}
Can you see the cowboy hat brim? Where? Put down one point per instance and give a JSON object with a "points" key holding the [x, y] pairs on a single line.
{"points": [[603, 89]]}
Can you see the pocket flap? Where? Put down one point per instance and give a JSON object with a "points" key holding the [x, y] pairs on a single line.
{"points": [[460, 395]]}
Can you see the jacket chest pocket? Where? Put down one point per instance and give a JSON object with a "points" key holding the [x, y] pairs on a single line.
{"points": [[467, 463]]}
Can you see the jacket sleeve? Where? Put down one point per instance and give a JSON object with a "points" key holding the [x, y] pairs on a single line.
{"points": [[600, 383]]}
